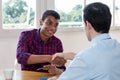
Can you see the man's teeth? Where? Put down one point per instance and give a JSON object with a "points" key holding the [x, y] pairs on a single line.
{"points": [[50, 32]]}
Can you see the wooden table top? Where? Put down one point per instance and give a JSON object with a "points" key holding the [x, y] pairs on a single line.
{"points": [[27, 75]]}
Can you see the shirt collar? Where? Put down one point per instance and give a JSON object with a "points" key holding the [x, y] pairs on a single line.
{"points": [[103, 36], [40, 36]]}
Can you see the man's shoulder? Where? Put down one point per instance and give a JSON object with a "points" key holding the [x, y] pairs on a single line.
{"points": [[29, 31], [56, 38], [88, 52]]}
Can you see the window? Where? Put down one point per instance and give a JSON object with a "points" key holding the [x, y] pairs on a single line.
{"points": [[117, 12], [71, 14], [23, 14], [18, 14]]}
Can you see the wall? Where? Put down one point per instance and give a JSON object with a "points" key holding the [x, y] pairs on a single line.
{"points": [[72, 41], [8, 42]]}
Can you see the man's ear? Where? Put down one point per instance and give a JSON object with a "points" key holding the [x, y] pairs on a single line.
{"points": [[41, 22], [88, 24]]}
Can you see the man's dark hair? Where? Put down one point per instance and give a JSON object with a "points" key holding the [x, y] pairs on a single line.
{"points": [[98, 14], [50, 13]]}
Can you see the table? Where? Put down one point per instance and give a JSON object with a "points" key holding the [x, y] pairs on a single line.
{"points": [[27, 75]]}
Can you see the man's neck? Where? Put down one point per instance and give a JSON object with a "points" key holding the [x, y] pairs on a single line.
{"points": [[95, 34], [43, 37]]}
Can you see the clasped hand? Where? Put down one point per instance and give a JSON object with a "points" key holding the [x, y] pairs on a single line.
{"points": [[56, 61]]}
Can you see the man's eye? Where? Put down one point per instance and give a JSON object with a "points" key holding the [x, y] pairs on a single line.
{"points": [[49, 23], [56, 25]]}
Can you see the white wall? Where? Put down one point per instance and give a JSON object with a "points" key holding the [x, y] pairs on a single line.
{"points": [[72, 41], [8, 42]]}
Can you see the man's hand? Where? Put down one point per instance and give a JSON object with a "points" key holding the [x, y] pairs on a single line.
{"points": [[58, 61], [52, 69]]}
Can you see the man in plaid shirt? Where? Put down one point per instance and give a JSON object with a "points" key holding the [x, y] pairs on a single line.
{"points": [[36, 47]]}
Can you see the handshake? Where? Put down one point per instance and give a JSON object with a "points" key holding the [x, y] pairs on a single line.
{"points": [[58, 60], [57, 64]]}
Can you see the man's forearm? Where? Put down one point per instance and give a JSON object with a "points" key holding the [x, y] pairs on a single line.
{"points": [[34, 59], [69, 55]]}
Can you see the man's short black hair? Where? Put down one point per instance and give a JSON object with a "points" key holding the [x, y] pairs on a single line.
{"points": [[50, 13], [98, 14]]}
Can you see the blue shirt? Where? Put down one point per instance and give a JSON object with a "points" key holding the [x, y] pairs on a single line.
{"points": [[101, 61]]}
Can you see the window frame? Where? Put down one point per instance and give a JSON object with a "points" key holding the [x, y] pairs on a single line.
{"points": [[0, 14], [41, 6]]}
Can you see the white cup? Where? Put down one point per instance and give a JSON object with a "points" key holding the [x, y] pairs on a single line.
{"points": [[8, 74]]}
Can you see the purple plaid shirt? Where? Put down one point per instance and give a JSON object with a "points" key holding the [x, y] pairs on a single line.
{"points": [[30, 43]]}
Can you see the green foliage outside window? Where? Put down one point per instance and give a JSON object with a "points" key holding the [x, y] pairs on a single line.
{"points": [[74, 16], [17, 12]]}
